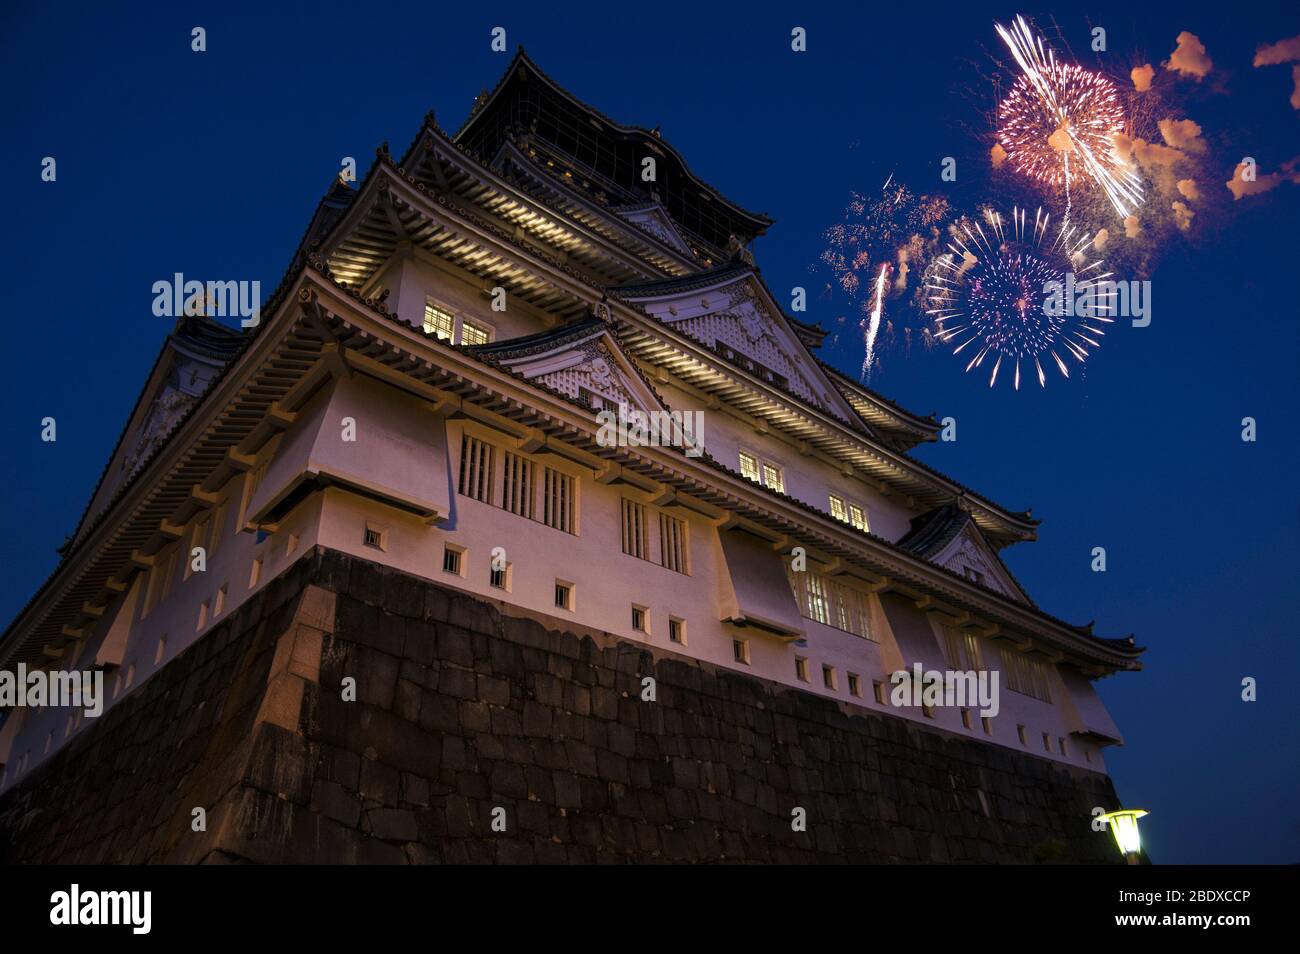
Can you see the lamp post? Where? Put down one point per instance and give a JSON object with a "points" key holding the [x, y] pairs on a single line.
{"points": [[1124, 826]]}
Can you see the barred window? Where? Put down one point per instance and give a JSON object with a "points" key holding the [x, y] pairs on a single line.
{"points": [[749, 466], [472, 334], [832, 603], [438, 321], [558, 500], [672, 543], [838, 510], [857, 517], [475, 469], [1027, 676], [772, 477], [517, 484], [634, 534]]}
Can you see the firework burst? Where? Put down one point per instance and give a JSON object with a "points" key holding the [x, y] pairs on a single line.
{"points": [[987, 295], [1059, 123]]}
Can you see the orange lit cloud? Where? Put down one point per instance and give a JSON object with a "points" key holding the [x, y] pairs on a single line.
{"points": [[1132, 227], [1182, 134], [1182, 216], [998, 155], [1142, 77], [1240, 187], [1189, 57], [1188, 189], [1283, 51]]}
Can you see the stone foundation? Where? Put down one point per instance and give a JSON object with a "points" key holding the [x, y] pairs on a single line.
{"points": [[461, 712]]}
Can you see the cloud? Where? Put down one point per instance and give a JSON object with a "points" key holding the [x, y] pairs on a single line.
{"points": [[1295, 93], [1100, 239], [1187, 188], [1149, 155], [998, 155], [1182, 215], [1240, 186], [1283, 51], [1189, 57], [1182, 134], [1142, 77], [1132, 227]]}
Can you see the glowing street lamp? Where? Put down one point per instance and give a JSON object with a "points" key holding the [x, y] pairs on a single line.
{"points": [[1124, 826]]}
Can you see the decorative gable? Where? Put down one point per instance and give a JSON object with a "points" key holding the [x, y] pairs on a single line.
{"points": [[653, 220], [970, 556], [736, 320]]}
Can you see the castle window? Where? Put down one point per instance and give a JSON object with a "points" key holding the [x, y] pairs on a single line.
{"points": [[828, 677], [855, 685], [773, 478], [255, 573], [517, 485], [634, 536], [638, 618], [203, 615], [1020, 732], [219, 600], [857, 517], [740, 650], [438, 321], [475, 469], [838, 510], [988, 725], [1060, 743], [676, 631], [1027, 676], [451, 560], [500, 578], [878, 688], [801, 668], [966, 719], [161, 652], [672, 543], [557, 499], [472, 334], [564, 595], [1047, 742], [749, 466], [374, 537]]}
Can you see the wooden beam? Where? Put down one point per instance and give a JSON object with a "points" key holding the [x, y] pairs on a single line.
{"points": [[203, 499], [168, 529]]}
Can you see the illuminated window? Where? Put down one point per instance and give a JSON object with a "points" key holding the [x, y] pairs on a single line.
{"points": [[475, 469], [472, 334], [857, 517], [749, 466], [772, 477], [438, 321], [838, 510]]}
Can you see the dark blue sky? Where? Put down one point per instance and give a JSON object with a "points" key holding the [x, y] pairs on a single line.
{"points": [[211, 165]]}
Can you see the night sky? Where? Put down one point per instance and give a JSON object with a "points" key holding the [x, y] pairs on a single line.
{"points": [[211, 164]]}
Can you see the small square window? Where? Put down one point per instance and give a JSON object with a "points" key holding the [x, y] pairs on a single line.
{"points": [[828, 677], [988, 725], [676, 631], [451, 562], [374, 538], [1047, 742], [292, 545], [1020, 732], [878, 688], [857, 517], [855, 685], [219, 601], [837, 508], [740, 650], [203, 615], [966, 719], [638, 618], [161, 652], [801, 668], [255, 573], [563, 595], [1060, 742], [1087, 755]]}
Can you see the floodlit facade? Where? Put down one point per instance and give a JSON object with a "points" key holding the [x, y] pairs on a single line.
{"points": [[431, 388]]}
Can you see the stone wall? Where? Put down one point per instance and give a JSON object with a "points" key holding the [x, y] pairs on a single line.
{"points": [[461, 712]]}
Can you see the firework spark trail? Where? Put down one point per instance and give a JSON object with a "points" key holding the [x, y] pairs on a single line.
{"points": [[873, 326], [988, 291], [1055, 109]]}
